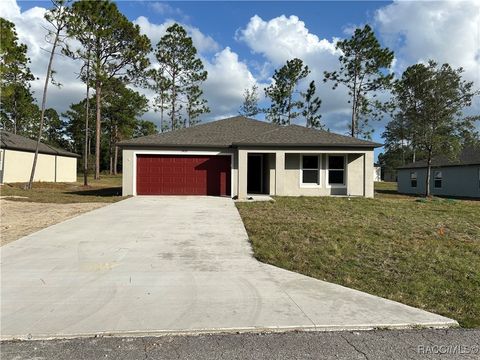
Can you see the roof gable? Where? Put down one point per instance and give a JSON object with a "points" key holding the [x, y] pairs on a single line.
{"points": [[242, 131]]}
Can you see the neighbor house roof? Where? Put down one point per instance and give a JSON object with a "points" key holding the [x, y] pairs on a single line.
{"points": [[468, 156], [12, 141], [242, 131]]}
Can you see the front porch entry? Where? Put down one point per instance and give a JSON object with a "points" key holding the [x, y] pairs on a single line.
{"points": [[258, 174]]}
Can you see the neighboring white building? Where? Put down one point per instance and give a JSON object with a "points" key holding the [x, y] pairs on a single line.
{"points": [[377, 173], [456, 178], [16, 160]]}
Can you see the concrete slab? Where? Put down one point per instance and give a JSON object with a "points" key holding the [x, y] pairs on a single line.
{"points": [[151, 265]]}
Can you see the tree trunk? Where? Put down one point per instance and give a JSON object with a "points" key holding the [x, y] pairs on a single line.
{"points": [[98, 128], [429, 171], [44, 102], [86, 150], [115, 162]]}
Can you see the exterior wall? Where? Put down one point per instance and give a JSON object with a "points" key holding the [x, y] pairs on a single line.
{"points": [[461, 181], [129, 164], [377, 173], [66, 169], [282, 167], [17, 166]]}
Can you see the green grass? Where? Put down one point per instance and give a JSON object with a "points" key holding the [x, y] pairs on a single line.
{"points": [[108, 189], [424, 254]]}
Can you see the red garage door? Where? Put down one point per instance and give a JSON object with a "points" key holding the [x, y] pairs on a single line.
{"points": [[183, 175]]}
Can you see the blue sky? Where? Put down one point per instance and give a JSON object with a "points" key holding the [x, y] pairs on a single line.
{"points": [[241, 43]]}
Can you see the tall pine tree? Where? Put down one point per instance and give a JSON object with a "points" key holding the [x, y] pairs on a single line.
{"points": [[183, 73], [285, 105]]}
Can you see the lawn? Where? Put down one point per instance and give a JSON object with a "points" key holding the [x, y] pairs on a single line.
{"points": [[421, 253], [108, 189]]}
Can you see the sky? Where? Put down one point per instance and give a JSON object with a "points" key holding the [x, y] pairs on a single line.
{"points": [[242, 43]]}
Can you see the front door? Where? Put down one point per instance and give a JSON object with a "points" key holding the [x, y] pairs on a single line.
{"points": [[255, 173]]}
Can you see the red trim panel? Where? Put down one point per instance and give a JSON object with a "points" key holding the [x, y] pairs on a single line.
{"points": [[183, 175]]}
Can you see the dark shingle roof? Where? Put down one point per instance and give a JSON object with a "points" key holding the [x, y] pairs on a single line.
{"points": [[468, 156], [12, 141], [241, 131]]}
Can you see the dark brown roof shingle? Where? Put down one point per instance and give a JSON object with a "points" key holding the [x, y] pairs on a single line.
{"points": [[12, 141], [242, 131]]}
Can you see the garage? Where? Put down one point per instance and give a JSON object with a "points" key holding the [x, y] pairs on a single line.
{"points": [[183, 175]]}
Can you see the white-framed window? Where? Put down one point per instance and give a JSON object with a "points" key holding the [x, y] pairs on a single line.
{"points": [[437, 179], [310, 172], [336, 170], [413, 179]]}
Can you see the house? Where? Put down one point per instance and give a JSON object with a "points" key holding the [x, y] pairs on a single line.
{"points": [[458, 177], [16, 160], [240, 156]]}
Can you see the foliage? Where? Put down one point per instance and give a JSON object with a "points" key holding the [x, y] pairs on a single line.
{"points": [[430, 100], [112, 45], [18, 110], [250, 106], [284, 105], [311, 107], [195, 105], [180, 74], [363, 65]]}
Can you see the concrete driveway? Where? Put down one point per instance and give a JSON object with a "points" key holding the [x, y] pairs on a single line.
{"points": [[148, 265]]}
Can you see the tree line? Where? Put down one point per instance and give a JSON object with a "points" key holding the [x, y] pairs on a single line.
{"points": [[424, 105]]}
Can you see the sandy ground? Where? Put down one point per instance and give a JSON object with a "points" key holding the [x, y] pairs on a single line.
{"points": [[18, 218]]}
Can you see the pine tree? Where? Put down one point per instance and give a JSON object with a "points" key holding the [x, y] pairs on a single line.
{"points": [[184, 73], [249, 106], [284, 105], [15, 76], [362, 71], [311, 107], [113, 47]]}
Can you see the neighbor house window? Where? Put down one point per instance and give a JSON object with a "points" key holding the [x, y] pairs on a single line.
{"points": [[310, 169], [336, 170], [437, 179], [413, 179]]}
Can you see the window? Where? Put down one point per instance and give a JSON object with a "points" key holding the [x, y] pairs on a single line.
{"points": [[310, 169], [336, 170], [437, 179], [413, 179]]}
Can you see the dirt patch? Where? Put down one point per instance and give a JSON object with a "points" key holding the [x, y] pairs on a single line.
{"points": [[20, 218]]}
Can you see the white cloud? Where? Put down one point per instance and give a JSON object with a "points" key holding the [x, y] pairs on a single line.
{"points": [[228, 77], [202, 42], [445, 31], [283, 38]]}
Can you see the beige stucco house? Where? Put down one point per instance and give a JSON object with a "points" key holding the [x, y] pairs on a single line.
{"points": [[16, 159], [238, 157]]}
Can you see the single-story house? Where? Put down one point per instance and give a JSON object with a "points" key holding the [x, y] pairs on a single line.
{"points": [[240, 156], [458, 177], [16, 160]]}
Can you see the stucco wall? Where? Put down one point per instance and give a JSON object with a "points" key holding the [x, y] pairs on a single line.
{"points": [[17, 166], [285, 176], [282, 172], [461, 181]]}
